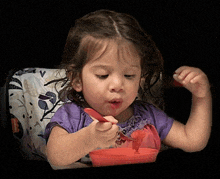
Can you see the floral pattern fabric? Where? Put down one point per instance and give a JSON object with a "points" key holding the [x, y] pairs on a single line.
{"points": [[32, 104]]}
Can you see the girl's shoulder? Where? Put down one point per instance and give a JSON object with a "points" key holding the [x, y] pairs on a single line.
{"points": [[70, 110], [70, 107], [71, 117]]}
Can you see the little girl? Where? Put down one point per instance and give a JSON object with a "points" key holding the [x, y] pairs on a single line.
{"points": [[108, 59]]}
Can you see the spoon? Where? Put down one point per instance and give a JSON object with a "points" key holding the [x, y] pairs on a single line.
{"points": [[100, 118]]}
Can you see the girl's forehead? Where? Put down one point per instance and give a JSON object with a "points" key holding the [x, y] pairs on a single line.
{"points": [[109, 49]]}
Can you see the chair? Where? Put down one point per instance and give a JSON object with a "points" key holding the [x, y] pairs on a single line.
{"points": [[30, 105]]}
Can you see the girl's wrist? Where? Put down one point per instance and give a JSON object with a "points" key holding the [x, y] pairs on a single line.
{"points": [[90, 138], [208, 95]]}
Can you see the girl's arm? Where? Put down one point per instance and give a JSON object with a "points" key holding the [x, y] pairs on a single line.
{"points": [[195, 134], [65, 148]]}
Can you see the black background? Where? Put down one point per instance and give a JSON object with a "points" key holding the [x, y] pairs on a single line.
{"points": [[33, 34]]}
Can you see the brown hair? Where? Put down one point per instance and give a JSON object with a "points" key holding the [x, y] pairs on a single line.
{"points": [[106, 24]]}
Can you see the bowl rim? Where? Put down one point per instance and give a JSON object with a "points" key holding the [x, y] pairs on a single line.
{"points": [[105, 152]]}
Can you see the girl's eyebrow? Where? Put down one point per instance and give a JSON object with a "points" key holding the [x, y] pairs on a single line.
{"points": [[102, 66], [109, 66]]}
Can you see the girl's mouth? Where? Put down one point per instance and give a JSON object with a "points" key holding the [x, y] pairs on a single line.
{"points": [[115, 104]]}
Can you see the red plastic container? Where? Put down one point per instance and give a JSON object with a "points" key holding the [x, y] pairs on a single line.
{"points": [[121, 156]]}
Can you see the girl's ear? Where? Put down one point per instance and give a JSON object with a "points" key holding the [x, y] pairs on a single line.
{"points": [[77, 84], [142, 81]]}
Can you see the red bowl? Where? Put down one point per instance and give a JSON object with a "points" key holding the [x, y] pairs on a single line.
{"points": [[121, 156]]}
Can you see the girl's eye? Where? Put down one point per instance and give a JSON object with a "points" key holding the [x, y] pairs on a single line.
{"points": [[129, 76], [102, 76]]}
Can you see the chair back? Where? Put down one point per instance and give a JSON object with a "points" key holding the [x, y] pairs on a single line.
{"points": [[31, 106]]}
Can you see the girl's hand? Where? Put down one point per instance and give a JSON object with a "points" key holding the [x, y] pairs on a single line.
{"points": [[104, 134], [193, 79]]}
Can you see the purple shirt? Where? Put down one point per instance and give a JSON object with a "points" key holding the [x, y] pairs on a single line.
{"points": [[72, 118]]}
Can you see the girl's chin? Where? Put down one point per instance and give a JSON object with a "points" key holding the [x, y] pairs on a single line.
{"points": [[111, 112]]}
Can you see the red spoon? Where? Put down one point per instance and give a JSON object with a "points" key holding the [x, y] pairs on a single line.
{"points": [[100, 118], [177, 84], [96, 115]]}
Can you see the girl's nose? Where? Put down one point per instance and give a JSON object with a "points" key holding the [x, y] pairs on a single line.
{"points": [[116, 84]]}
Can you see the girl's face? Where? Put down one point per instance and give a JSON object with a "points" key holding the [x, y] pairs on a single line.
{"points": [[110, 80]]}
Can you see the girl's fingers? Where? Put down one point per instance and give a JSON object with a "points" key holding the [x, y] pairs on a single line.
{"points": [[195, 79], [185, 72], [111, 119], [103, 126], [175, 76], [200, 79], [189, 77], [182, 75], [180, 69], [94, 119], [114, 137]]}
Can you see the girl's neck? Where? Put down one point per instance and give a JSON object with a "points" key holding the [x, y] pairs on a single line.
{"points": [[125, 115]]}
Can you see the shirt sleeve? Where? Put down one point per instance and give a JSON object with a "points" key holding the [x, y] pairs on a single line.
{"points": [[161, 121], [68, 117]]}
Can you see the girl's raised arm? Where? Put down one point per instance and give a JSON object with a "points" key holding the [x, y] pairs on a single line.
{"points": [[195, 134]]}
